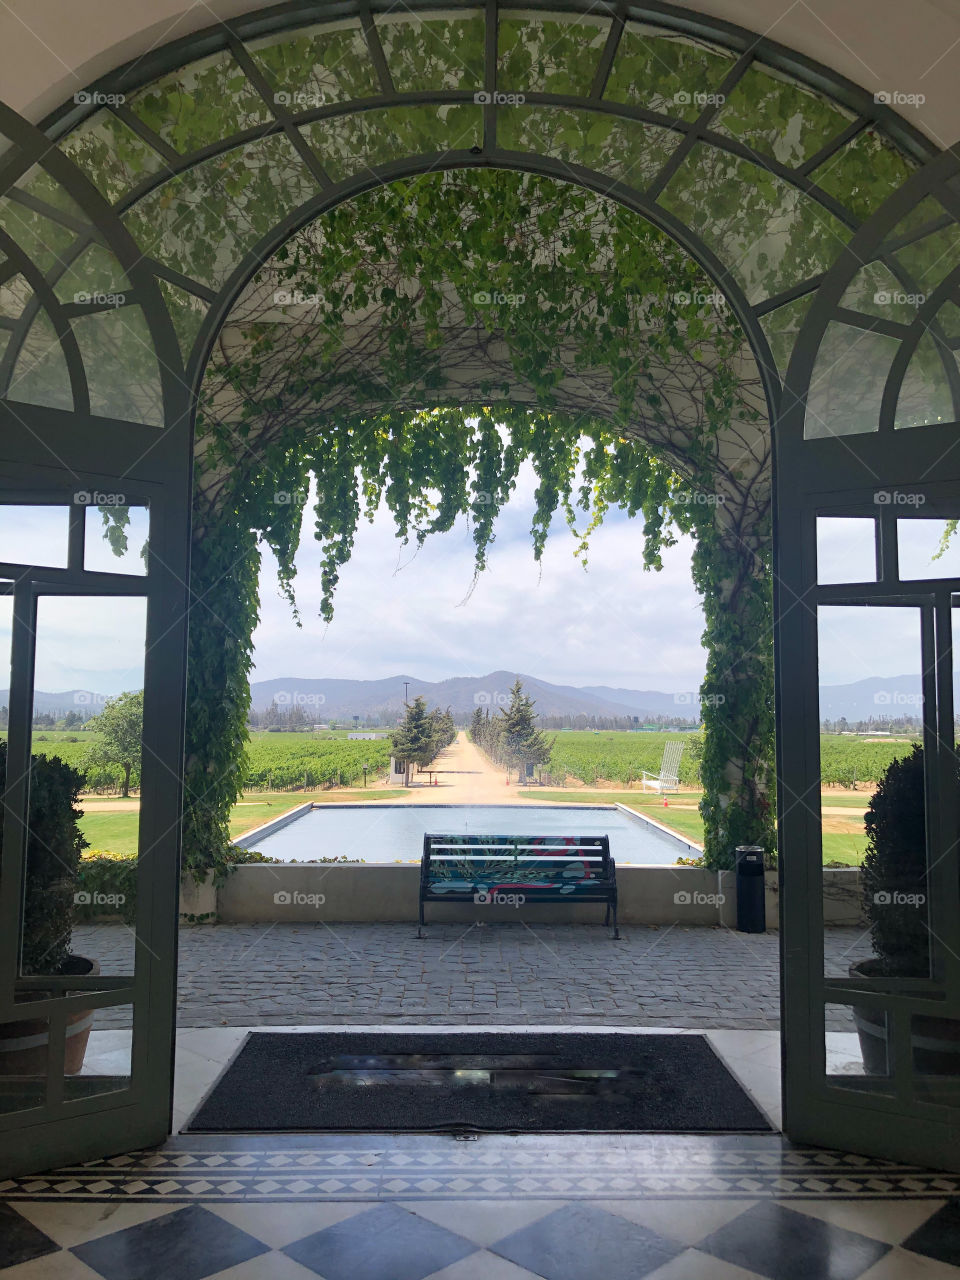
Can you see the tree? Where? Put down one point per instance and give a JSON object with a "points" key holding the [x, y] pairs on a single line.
{"points": [[521, 742], [415, 741], [476, 726], [120, 726]]}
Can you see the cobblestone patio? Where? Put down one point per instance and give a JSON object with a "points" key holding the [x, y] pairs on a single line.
{"points": [[256, 975]]}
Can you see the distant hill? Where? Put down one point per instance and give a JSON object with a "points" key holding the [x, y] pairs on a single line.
{"points": [[324, 699]]}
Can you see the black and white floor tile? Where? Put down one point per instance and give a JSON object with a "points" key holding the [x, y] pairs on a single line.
{"points": [[483, 1240]]}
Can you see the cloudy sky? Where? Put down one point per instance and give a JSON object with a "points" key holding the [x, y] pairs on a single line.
{"points": [[400, 612]]}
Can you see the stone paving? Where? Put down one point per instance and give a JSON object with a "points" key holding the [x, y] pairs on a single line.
{"points": [[256, 975]]}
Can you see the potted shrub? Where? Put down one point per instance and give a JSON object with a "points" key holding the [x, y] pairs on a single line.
{"points": [[54, 844], [893, 877]]}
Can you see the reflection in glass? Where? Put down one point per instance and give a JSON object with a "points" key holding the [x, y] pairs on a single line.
{"points": [[433, 53], [925, 395], [40, 375], [627, 150], [846, 389], [929, 260], [666, 72], [773, 114], [227, 203], [102, 1063], [550, 54], [92, 274], [24, 1057], [112, 156], [169, 106], [876, 291], [317, 65], [782, 327], [772, 241], [355, 143], [863, 173], [123, 375], [857, 1046]]}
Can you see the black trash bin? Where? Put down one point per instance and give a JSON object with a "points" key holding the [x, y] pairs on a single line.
{"points": [[751, 906]]}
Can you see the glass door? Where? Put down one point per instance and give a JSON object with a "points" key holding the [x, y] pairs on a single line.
{"points": [[867, 585]]}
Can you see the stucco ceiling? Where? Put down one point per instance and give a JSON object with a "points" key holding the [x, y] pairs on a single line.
{"points": [[50, 49]]}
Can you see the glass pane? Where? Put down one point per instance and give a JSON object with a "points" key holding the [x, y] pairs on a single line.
{"points": [[24, 1056], [626, 149], [317, 65], [935, 1045], [6, 637], [925, 395], [357, 142], [123, 376], [227, 203], [773, 114], [876, 291], [928, 548], [15, 293], [549, 54], [863, 173], [99, 1051], [187, 313], [202, 103], [34, 535], [871, 710], [848, 381], [846, 549], [441, 52], [83, 840], [112, 156], [772, 235], [95, 278], [930, 259], [40, 375], [116, 539], [857, 1050], [782, 327], [43, 238], [666, 72]]}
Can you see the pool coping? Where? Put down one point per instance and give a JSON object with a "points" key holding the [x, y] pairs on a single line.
{"points": [[251, 838]]}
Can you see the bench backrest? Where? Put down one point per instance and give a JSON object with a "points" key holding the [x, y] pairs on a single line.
{"points": [[670, 764], [534, 866]]}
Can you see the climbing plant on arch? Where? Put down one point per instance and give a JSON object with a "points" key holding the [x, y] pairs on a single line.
{"points": [[415, 347]]}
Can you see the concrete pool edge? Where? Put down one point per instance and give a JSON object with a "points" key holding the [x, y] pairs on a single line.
{"points": [[387, 893]]}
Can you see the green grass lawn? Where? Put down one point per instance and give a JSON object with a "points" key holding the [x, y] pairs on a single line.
{"points": [[118, 832], [837, 846]]}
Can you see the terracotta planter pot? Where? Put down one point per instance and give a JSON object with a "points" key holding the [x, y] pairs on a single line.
{"points": [[23, 1044], [935, 1041]]}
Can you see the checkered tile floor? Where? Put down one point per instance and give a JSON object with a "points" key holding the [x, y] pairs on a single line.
{"points": [[661, 1239]]}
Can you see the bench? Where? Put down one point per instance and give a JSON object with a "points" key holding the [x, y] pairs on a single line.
{"points": [[514, 870]]}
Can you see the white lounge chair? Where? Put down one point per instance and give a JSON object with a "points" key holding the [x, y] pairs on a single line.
{"points": [[668, 779]]}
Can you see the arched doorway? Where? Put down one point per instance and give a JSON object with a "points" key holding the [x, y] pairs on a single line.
{"points": [[282, 152]]}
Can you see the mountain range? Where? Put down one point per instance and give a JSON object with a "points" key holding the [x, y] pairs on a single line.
{"points": [[328, 699]]}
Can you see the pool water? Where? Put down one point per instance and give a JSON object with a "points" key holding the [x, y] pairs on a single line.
{"points": [[394, 832]]}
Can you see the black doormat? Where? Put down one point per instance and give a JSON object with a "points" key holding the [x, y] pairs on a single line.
{"points": [[491, 1082]]}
